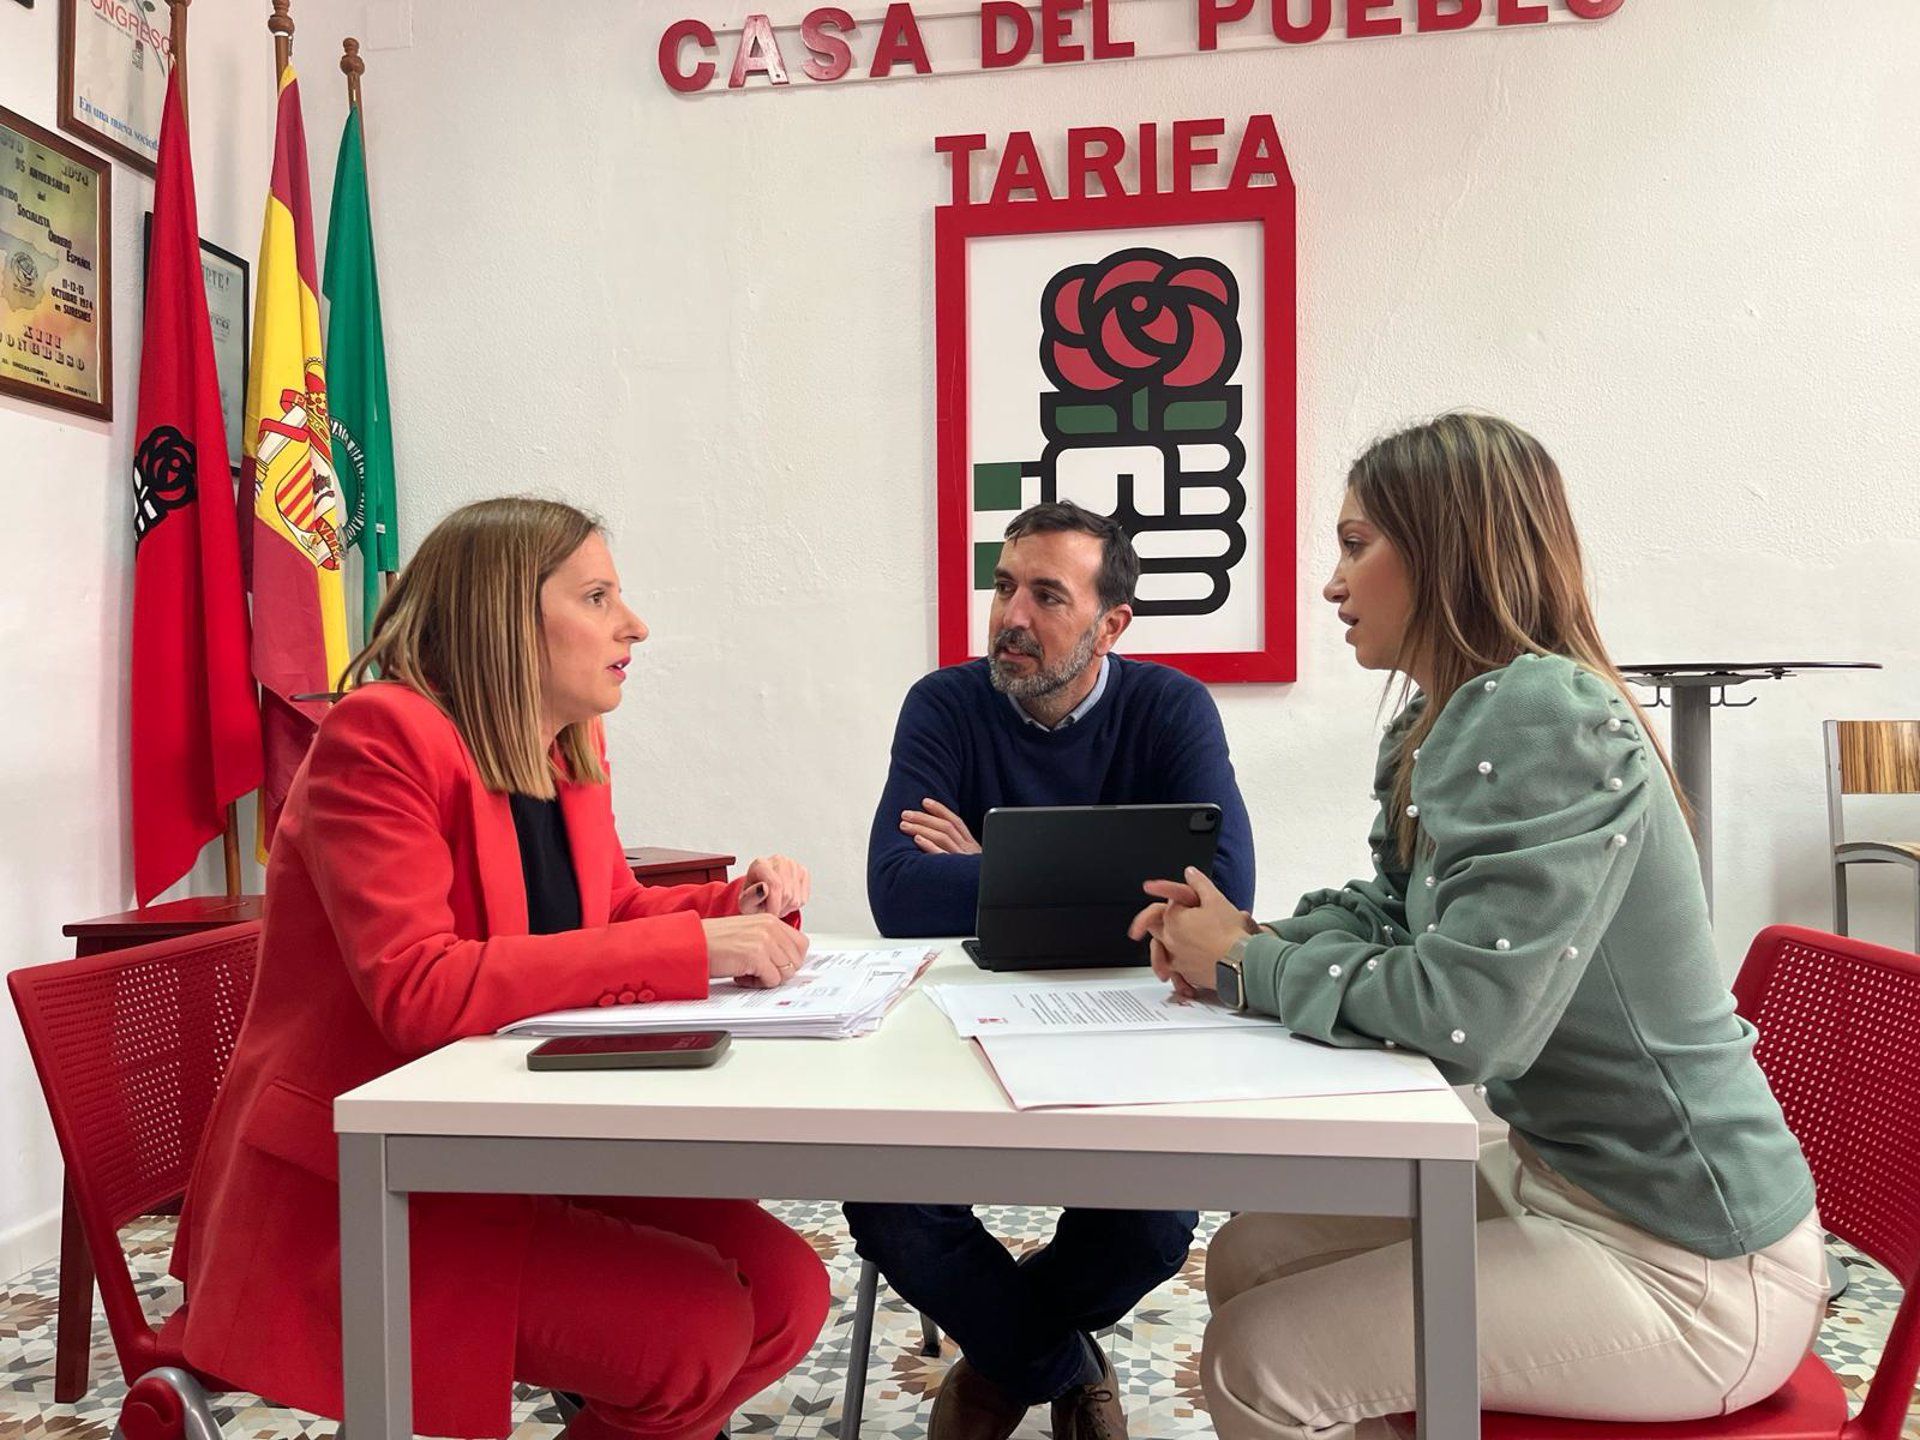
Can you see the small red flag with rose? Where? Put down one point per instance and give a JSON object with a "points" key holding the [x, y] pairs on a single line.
{"points": [[195, 743]]}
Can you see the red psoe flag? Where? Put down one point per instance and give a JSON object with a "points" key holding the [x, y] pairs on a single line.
{"points": [[195, 745]]}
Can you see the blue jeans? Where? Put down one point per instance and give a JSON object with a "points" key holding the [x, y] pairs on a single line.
{"points": [[1020, 1325]]}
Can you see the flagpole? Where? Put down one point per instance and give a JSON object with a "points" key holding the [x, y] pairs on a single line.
{"points": [[353, 67], [178, 42], [281, 24]]}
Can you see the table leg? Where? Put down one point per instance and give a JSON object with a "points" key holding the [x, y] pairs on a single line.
{"points": [[866, 1296], [376, 1355], [1693, 764], [1446, 1342]]}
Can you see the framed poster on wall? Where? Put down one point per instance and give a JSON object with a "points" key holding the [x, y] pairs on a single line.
{"points": [[1134, 354], [56, 270], [229, 304], [113, 77]]}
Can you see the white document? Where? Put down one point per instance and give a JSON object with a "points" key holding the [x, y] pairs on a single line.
{"points": [[1044, 1007], [1042, 1072], [834, 994]]}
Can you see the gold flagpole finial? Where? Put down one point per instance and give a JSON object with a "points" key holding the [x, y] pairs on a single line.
{"points": [[353, 67]]}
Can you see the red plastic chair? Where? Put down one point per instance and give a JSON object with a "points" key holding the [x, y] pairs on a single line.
{"points": [[1839, 1024], [130, 1047]]}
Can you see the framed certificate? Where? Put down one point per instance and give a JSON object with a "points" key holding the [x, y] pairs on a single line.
{"points": [[113, 78], [56, 270], [229, 304]]}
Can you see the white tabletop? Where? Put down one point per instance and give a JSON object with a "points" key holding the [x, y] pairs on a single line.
{"points": [[914, 1082]]}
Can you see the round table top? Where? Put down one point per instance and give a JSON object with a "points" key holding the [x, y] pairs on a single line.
{"points": [[1657, 673]]}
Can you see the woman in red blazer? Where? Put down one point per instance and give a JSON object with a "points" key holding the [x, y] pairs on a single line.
{"points": [[399, 917]]}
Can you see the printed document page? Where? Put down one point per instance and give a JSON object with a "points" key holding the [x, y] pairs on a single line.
{"points": [[1189, 1066], [833, 993], [1044, 1007]]}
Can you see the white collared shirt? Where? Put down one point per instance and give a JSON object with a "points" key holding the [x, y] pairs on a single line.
{"points": [[1078, 713]]}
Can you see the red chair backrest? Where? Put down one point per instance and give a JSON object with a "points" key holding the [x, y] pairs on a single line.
{"points": [[130, 1047], [1839, 1023]]}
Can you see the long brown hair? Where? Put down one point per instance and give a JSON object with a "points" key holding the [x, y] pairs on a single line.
{"points": [[1476, 509], [462, 626]]}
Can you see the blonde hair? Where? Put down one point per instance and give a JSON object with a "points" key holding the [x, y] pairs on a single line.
{"points": [[1476, 509], [462, 625]]}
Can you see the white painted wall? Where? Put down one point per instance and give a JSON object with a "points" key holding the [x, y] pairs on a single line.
{"points": [[66, 558], [1680, 245]]}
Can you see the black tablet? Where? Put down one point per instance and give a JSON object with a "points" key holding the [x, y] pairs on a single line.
{"points": [[1059, 884]]}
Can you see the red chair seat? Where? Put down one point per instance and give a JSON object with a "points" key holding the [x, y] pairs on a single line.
{"points": [[1812, 1405]]}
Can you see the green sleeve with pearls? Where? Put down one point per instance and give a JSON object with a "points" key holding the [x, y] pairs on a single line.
{"points": [[1531, 792]]}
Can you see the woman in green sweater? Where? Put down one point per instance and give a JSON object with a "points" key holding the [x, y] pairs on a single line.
{"points": [[1648, 1248]]}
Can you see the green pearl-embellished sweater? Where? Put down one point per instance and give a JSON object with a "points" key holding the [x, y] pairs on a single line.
{"points": [[1551, 942]]}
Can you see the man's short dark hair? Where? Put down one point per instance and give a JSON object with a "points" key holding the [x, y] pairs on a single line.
{"points": [[1119, 565]]}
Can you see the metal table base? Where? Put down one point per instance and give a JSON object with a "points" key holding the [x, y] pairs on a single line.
{"points": [[379, 1172]]}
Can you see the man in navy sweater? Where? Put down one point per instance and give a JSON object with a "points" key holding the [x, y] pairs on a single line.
{"points": [[1050, 717]]}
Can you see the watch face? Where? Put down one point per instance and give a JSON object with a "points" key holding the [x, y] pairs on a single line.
{"points": [[1226, 979]]}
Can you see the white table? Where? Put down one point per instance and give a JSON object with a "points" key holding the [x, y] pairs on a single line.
{"points": [[911, 1113]]}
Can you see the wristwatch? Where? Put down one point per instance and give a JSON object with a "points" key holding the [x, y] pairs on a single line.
{"points": [[1229, 977]]}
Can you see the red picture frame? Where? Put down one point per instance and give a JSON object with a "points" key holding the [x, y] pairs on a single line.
{"points": [[1273, 208]]}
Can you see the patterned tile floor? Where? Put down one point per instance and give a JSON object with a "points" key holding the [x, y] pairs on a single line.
{"points": [[1154, 1352]]}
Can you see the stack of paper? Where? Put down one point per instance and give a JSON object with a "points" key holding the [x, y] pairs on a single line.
{"points": [[1133, 1042], [834, 994]]}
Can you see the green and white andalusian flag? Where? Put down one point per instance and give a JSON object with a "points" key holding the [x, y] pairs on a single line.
{"points": [[357, 374]]}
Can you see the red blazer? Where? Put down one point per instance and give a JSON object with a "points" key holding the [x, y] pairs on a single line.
{"points": [[396, 921]]}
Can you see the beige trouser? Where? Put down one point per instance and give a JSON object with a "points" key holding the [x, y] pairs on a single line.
{"points": [[1582, 1314]]}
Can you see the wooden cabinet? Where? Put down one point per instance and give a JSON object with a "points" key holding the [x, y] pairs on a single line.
{"points": [[652, 865]]}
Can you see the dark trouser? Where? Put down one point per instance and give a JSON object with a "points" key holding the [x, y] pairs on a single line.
{"points": [[1020, 1324]]}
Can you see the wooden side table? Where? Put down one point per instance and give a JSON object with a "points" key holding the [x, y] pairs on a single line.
{"points": [[161, 922], [655, 865], [652, 865]]}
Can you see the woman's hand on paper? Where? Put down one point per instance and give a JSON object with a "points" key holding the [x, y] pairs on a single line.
{"points": [[753, 950], [1192, 926], [775, 886]]}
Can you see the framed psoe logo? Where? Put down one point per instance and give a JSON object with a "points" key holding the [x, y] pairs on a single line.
{"points": [[1135, 354]]}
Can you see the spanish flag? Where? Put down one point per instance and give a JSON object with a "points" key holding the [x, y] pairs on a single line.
{"points": [[299, 594]]}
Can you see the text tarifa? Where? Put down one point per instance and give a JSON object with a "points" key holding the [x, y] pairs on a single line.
{"points": [[1101, 160]]}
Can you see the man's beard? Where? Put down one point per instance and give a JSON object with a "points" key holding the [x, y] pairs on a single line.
{"points": [[1045, 679]]}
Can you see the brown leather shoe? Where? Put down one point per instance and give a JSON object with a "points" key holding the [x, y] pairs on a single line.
{"points": [[1091, 1412], [971, 1407]]}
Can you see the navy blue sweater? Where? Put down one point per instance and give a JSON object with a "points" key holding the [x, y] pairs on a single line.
{"points": [[1154, 738]]}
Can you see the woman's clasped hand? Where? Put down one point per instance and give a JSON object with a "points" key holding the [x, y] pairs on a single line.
{"points": [[1191, 926]]}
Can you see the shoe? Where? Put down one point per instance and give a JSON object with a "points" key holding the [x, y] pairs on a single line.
{"points": [[1091, 1412], [971, 1407]]}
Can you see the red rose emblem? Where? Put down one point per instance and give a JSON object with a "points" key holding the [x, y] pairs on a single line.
{"points": [[1140, 317]]}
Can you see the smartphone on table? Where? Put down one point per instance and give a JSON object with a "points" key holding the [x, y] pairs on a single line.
{"points": [[663, 1050]]}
